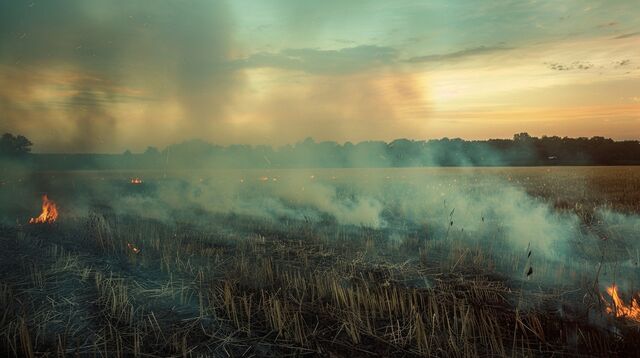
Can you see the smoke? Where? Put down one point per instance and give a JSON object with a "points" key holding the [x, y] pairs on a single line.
{"points": [[444, 208], [78, 76], [74, 73], [457, 204], [268, 197], [481, 207], [475, 209]]}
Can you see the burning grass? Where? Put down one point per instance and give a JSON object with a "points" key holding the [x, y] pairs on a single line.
{"points": [[49, 212], [264, 289], [621, 310], [233, 285]]}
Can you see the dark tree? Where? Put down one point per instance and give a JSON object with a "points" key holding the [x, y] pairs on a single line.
{"points": [[152, 152], [14, 146], [522, 150], [522, 137]]}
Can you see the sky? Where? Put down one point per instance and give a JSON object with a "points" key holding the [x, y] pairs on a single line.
{"points": [[105, 76]]}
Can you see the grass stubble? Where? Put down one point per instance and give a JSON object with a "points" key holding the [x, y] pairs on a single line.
{"points": [[241, 286]]}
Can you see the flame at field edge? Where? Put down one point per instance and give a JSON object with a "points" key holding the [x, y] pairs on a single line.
{"points": [[49, 212], [620, 309]]}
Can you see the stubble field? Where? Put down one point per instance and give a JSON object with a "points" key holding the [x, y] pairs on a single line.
{"points": [[359, 262]]}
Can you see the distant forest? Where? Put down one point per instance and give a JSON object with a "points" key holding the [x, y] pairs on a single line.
{"points": [[522, 150]]}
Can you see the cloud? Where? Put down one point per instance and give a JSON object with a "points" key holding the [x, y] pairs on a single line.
{"points": [[576, 65], [624, 36], [342, 61], [607, 24], [622, 63], [457, 55], [348, 60], [374, 104], [91, 75]]}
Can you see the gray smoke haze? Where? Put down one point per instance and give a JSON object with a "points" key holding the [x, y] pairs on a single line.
{"points": [[270, 197], [95, 57], [471, 209], [467, 208], [443, 206]]}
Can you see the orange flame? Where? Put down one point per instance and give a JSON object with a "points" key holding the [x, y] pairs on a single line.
{"points": [[49, 212], [620, 309], [136, 181], [134, 249]]}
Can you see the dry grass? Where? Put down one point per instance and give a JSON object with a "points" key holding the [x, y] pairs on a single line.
{"points": [[239, 286], [79, 291]]}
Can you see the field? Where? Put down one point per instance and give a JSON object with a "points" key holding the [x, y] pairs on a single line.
{"points": [[358, 262]]}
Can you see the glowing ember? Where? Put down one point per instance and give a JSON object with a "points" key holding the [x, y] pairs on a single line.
{"points": [[620, 309], [136, 181], [49, 212], [133, 249]]}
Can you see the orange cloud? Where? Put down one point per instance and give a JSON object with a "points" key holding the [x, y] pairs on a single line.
{"points": [[373, 104]]}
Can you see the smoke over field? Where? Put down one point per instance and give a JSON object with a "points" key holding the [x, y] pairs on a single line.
{"points": [[218, 178], [218, 243]]}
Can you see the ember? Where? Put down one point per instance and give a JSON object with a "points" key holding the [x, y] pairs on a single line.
{"points": [[49, 212], [136, 181], [133, 249], [620, 309]]}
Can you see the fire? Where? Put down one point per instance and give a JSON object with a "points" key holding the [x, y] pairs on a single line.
{"points": [[134, 249], [136, 181], [49, 212], [620, 309]]}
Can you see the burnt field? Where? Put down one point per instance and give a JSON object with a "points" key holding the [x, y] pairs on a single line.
{"points": [[357, 262]]}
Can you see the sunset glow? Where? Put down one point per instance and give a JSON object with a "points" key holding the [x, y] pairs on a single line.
{"points": [[239, 72]]}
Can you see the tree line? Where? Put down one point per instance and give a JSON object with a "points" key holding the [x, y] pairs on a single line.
{"points": [[521, 150]]}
